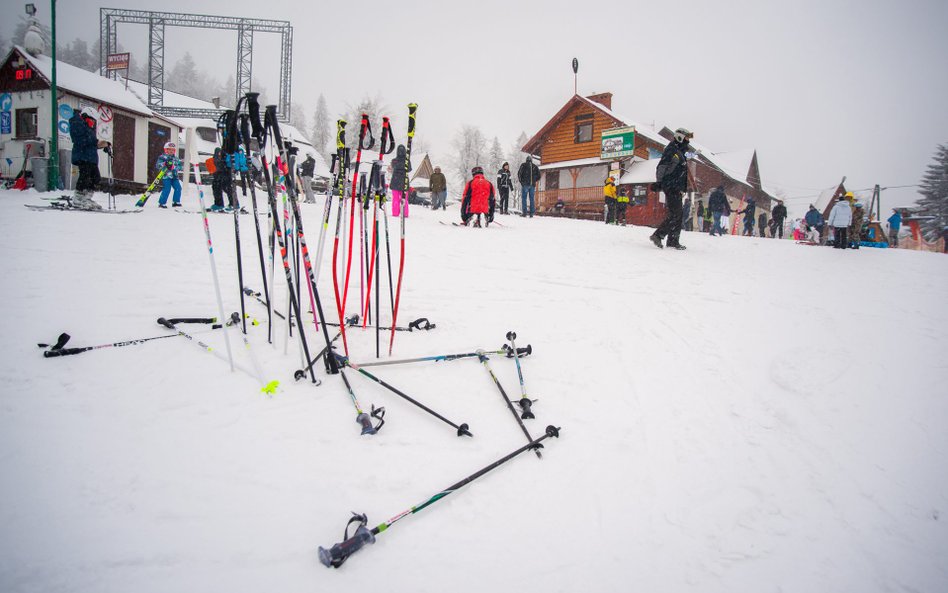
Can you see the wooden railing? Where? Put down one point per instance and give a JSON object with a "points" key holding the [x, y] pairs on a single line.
{"points": [[579, 199]]}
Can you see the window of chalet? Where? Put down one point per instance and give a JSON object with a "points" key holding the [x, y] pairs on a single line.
{"points": [[552, 180], [583, 129], [26, 124]]}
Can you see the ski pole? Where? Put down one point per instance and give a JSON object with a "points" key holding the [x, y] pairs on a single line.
{"points": [[449, 357], [245, 134], [210, 252], [207, 348], [412, 109], [256, 295], [141, 201], [343, 161], [420, 324], [483, 358], [339, 553], [377, 187], [259, 133], [364, 128], [300, 373], [361, 417], [525, 402], [462, 430], [58, 349]]}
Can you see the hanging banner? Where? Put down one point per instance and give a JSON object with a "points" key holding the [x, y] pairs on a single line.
{"points": [[617, 142]]}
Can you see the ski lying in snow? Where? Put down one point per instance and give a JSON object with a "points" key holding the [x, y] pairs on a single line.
{"points": [[62, 207], [469, 226], [209, 211]]}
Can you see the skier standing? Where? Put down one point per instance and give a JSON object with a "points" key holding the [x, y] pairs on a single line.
{"points": [[622, 203], [718, 206], [855, 230], [439, 189], [841, 216], [672, 178], [85, 155], [762, 224], [307, 169], [478, 193], [749, 211], [529, 176], [221, 182], [609, 194], [397, 185], [504, 186], [779, 214], [172, 166], [895, 223], [686, 215]]}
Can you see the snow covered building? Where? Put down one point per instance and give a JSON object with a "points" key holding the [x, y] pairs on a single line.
{"points": [[137, 133], [575, 161]]}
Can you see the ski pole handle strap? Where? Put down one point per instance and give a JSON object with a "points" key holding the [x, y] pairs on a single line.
{"points": [[270, 122], [339, 553], [366, 128], [253, 108], [421, 323], [65, 352], [388, 138]]}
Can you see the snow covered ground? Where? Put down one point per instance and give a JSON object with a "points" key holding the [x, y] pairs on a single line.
{"points": [[748, 415]]}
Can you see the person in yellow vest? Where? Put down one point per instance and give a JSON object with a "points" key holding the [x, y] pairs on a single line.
{"points": [[622, 202], [609, 191]]}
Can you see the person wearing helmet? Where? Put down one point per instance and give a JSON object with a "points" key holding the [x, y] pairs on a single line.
{"points": [[171, 164], [672, 178], [477, 197], [778, 215], [622, 204], [610, 195], [85, 156]]}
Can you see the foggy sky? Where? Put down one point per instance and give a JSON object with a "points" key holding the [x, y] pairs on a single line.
{"points": [[821, 89]]}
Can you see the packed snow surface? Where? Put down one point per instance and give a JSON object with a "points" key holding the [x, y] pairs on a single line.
{"points": [[746, 415]]}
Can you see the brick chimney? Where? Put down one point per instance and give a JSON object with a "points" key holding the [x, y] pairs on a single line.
{"points": [[604, 99]]}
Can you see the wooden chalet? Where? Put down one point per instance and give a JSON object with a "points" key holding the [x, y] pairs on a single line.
{"points": [[573, 169]]}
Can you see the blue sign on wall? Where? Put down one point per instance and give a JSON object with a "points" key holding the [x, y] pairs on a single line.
{"points": [[6, 102], [6, 122], [65, 111]]}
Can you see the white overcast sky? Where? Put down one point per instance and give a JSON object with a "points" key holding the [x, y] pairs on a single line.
{"points": [[821, 88]]}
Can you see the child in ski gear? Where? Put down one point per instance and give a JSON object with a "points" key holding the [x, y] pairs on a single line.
{"points": [[841, 216], [171, 164], [307, 169], [529, 176], [686, 215], [622, 202], [397, 185], [672, 178], [762, 224], [85, 155], [221, 181], [439, 189], [718, 206], [814, 219], [855, 230], [748, 213], [609, 193], [504, 186], [476, 199], [895, 223]]}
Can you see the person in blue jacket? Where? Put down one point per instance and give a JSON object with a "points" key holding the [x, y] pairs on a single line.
{"points": [[895, 223], [85, 156], [814, 219], [171, 164]]}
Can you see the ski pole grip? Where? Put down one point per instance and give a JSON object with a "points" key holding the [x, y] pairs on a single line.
{"points": [[63, 352], [270, 121], [166, 323], [366, 421], [245, 131], [340, 552], [253, 108]]}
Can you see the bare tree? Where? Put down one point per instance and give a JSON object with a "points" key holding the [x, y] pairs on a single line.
{"points": [[470, 149], [374, 107]]}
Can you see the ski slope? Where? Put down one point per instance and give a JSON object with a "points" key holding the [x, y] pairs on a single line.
{"points": [[747, 415]]}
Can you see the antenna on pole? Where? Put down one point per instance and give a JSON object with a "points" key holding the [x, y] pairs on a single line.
{"points": [[575, 76]]}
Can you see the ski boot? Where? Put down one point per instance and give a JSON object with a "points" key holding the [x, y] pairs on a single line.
{"points": [[83, 201]]}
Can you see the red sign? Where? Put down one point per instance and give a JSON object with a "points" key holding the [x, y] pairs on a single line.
{"points": [[24, 74], [117, 61], [105, 113]]}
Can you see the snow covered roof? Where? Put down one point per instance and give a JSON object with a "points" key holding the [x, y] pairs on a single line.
{"points": [[647, 131], [639, 172], [171, 98], [87, 84], [736, 163]]}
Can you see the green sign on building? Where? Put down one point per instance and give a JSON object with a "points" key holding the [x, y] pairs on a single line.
{"points": [[617, 142]]}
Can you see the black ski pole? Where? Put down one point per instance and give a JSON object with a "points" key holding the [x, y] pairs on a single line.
{"points": [[300, 373], [448, 357], [483, 359], [462, 430], [525, 402], [339, 553], [245, 134], [58, 348], [256, 295], [259, 133]]}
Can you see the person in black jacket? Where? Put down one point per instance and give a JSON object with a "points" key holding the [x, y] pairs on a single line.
{"points": [[672, 178], [529, 176], [221, 181], [749, 211], [307, 169], [85, 155], [779, 214], [719, 206], [504, 185]]}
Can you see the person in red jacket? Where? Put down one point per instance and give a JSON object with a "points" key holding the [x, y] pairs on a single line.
{"points": [[477, 198]]}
